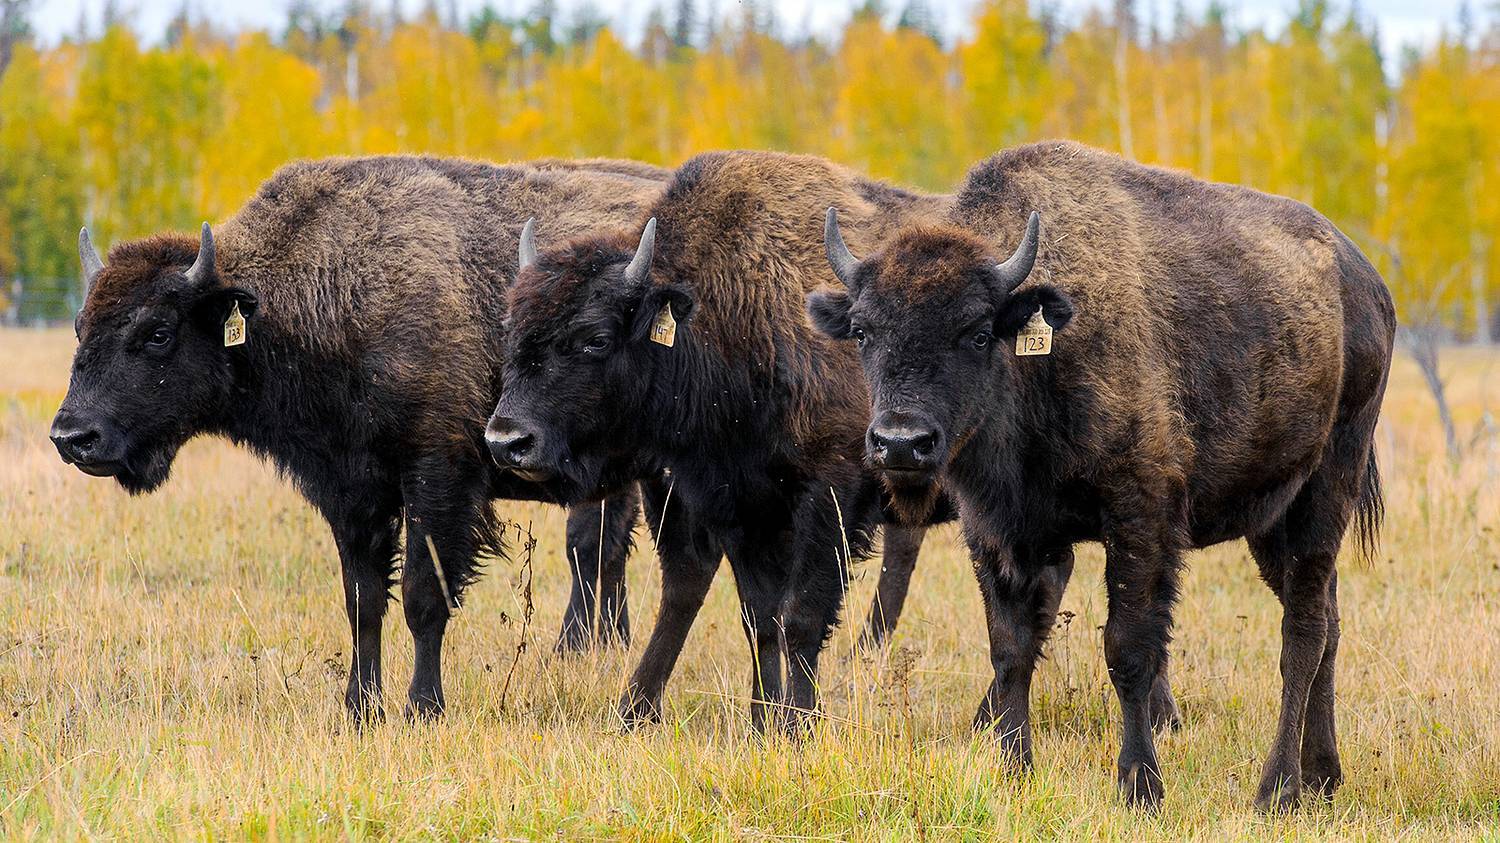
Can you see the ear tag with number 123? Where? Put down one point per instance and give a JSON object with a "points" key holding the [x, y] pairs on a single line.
{"points": [[1035, 337], [664, 329], [234, 327]]}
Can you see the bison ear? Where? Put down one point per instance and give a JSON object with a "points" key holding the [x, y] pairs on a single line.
{"points": [[658, 296], [829, 310], [214, 306], [1018, 309]]}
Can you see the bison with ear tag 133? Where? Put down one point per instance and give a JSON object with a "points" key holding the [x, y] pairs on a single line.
{"points": [[680, 347], [1153, 362], [346, 325]]}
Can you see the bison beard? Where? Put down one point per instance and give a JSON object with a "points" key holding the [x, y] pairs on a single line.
{"points": [[1218, 373], [372, 292]]}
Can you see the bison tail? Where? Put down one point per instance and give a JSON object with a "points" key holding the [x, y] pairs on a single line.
{"points": [[1369, 512]]}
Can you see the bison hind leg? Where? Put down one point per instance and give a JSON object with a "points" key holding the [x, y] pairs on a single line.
{"points": [[599, 542], [898, 559], [1297, 559]]}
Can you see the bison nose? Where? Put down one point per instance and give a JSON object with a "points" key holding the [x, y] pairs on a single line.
{"points": [[509, 443], [903, 446], [75, 442]]}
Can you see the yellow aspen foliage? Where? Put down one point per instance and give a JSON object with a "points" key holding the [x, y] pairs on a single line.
{"points": [[1005, 78], [134, 135], [896, 114], [269, 116]]}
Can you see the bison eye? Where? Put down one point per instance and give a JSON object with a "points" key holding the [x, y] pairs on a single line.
{"points": [[982, 340], [597, 344], [160, 338], [858, 334]]}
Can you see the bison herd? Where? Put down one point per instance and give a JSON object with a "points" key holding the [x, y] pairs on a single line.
{"points": [[775, 358]]}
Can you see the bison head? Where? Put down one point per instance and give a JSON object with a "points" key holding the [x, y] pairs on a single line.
{"points": [[579, 360], [934, 316], [151, 369]]}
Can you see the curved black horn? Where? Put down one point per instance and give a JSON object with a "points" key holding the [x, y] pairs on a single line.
{"points": [[528, 244], [640, 265], [839, 257], [1018, 266], [90, 257], [204, 263]]}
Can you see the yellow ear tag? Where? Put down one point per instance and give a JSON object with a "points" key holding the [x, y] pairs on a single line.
{"points": [[664, 330], [234, 327], [1035, 337]]}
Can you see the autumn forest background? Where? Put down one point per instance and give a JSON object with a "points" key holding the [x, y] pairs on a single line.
{"points": [[172, 666], [137, 132]]}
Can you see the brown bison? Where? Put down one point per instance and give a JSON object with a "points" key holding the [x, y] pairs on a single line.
{"points": [[601, 569], [346, 324], [1217, 371], [683, 356]]}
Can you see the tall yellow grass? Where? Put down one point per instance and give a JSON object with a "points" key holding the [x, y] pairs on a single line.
{"points": [[173, 666]]}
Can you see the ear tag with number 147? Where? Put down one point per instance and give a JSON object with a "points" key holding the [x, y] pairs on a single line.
{"points": [[234, 327], [1035, 337]]}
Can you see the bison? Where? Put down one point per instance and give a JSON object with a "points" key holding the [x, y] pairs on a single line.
{"points": [[346, 324], [684, 358], [1217, 369]]}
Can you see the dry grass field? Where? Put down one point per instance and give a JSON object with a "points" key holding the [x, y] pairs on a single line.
{"points": [[173, 666]]}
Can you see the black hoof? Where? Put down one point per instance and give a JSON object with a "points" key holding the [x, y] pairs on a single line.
{"points": [[638, 712], [796, 724], [424, 709], [364, 707], [580, 639], [1140, 786], [1278, 794], [573, 640], [1322, 777], [872, 639]]}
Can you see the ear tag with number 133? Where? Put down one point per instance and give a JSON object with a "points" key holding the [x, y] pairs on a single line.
{"points": [[234, 327], [1035, 338]]}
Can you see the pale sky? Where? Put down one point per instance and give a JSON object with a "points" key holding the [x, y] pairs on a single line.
{"points": [[1401, 21]]}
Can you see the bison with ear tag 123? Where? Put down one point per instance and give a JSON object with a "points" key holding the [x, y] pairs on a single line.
{"points": [[1093, 350]]}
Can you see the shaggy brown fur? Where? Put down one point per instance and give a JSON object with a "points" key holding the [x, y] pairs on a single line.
{"points": [[373, 288], [737, 226], [1217, 373], [759, 419], [1231, 297]]}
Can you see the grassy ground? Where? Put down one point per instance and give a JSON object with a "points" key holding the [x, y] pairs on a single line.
{"points": [[174, 665]]}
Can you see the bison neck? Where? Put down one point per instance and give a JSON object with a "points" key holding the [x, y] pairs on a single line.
{"points": [[729, 435], [1014, 476], [320, 420]]}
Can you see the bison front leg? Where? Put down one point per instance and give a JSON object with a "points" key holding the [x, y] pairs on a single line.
{"points": [[599, 541], [1020, 607], [828, 530], [810, 611], [689, 557], [367, 553]]}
